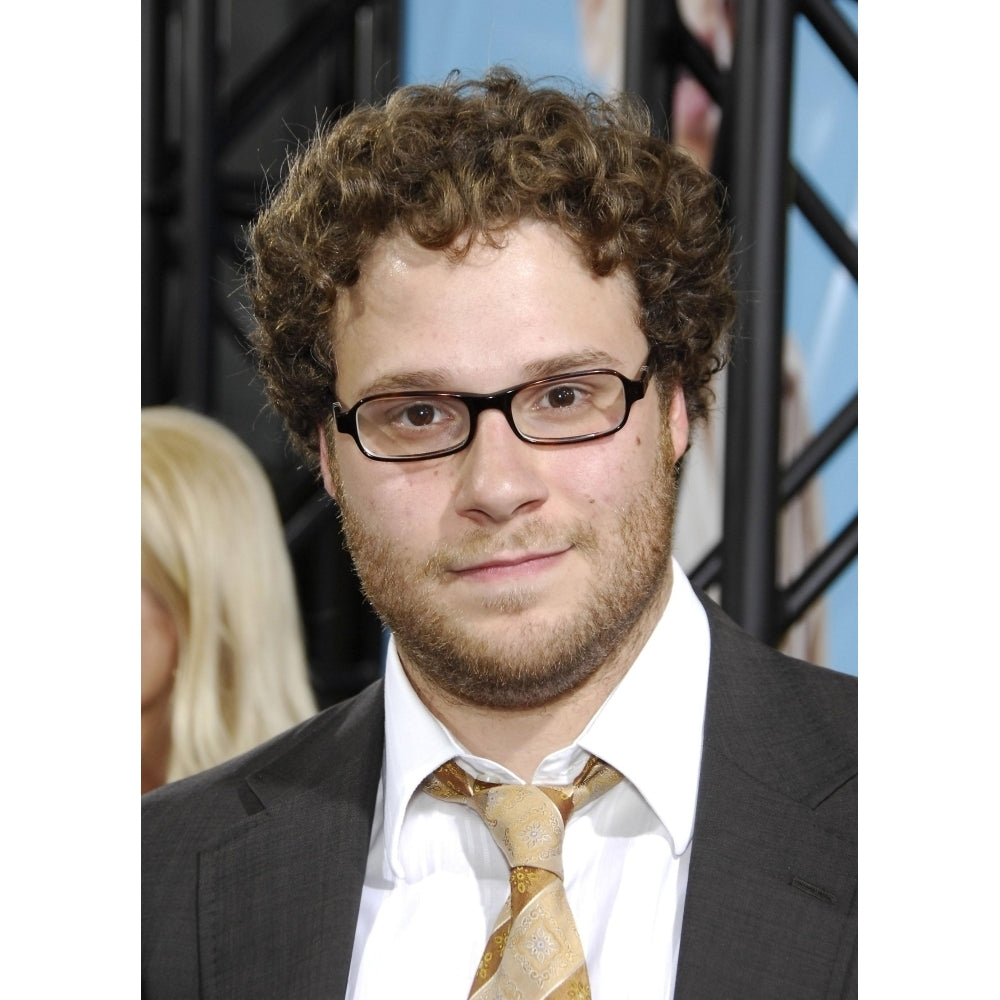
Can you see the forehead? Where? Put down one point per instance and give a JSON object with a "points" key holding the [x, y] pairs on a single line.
{"points": [[488, 319]]}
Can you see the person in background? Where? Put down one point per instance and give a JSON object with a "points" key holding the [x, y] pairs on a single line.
{"points": [[223, 662], [489, 313]]}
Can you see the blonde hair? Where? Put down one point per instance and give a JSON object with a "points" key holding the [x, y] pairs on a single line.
{"points": [[214, 551]]}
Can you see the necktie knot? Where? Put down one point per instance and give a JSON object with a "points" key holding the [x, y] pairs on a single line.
{"points": [[526, 823], [534, 950]]}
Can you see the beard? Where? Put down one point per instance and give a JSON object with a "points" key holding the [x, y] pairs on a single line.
{"points": [[523, 663]]}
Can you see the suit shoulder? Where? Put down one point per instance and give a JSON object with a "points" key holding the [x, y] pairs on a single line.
{"points": [[792, 724], [197, 807], [737, 650]]}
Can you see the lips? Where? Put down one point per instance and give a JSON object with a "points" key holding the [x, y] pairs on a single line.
{"points": [[509, 564], [484, 552]]}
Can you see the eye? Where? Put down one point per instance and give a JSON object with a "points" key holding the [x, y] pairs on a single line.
{"points": [[418, 415], [423, 415], [561, 396]]}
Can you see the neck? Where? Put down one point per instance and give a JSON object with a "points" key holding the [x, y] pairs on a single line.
{"points": [[520, 739]]}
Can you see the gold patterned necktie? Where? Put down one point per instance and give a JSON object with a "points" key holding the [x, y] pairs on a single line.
{"points": [[534, 950]]}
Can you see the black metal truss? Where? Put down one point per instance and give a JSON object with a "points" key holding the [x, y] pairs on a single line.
{"points": [[213, 104], [752, 159]]}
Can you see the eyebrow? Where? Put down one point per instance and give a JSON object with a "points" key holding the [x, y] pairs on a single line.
{"points": [[431, 379], [440, 380], [565, 363]]}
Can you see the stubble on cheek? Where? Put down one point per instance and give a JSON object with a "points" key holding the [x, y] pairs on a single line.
{"points": [[527, 662]]}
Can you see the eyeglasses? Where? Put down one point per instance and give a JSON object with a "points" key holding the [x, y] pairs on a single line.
{"points": [[559, 409]]}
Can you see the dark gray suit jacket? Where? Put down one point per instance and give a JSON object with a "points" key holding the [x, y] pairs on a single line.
{"points": [[252, 872]]}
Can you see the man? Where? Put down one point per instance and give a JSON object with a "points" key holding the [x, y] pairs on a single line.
{"points": [[489, 314]]}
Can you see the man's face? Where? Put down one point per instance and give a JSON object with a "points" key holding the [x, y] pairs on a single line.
{"points": [[509, 572]]}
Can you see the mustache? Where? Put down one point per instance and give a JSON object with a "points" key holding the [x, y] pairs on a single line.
{"points": [[482, 544]]}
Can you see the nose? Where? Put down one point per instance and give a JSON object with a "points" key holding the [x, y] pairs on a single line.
{"points": [[499, 475]]}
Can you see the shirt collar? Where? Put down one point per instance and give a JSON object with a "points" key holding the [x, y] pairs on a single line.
{"points": [[650, 727], [663, 692], [416, 744]]}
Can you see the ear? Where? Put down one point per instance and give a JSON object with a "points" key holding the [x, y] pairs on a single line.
{"points": [[324, 463], [678, 422]]}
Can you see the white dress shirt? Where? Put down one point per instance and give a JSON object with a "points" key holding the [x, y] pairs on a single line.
{"points": [[435, 873]]}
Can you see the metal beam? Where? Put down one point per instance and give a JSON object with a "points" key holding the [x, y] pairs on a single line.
{"points": [[283, 67], [760, 197], [154, 171], [816, 213], [819, 449], [199, 221], [838, 35], [709, 571], [817, 576]]}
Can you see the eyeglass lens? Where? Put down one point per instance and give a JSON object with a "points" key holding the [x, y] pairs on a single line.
{"points": [[555, 409]]}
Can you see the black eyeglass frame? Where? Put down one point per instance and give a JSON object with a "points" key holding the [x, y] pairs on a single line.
{"points": [[476, 403]]}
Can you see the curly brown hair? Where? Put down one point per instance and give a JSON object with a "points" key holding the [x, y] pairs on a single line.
{"points": [[447, 165]]}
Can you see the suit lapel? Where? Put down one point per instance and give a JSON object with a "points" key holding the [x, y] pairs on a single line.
{"points": [[297, 864], [771, 908], [771, 898]]}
